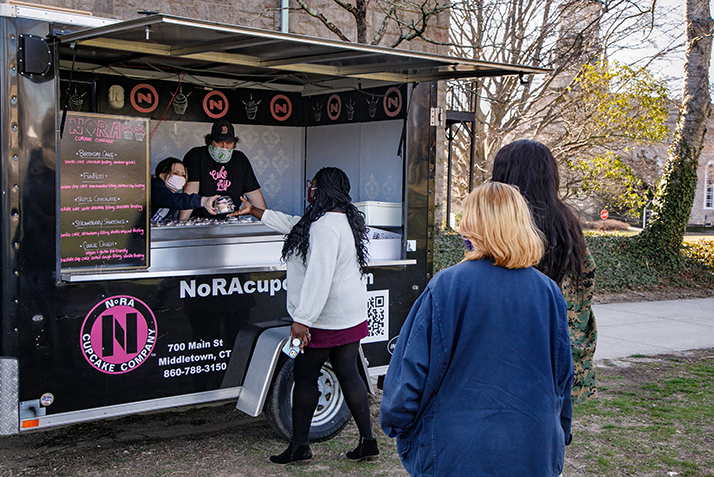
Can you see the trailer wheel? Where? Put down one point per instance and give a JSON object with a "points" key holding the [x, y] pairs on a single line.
{"points": [[331, 415]]}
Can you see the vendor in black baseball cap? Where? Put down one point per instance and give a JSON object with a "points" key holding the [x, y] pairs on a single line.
{"points": [[222, 131], [219, 169]]}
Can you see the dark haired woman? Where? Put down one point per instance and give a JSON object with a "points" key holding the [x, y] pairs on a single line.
{"points": [[167, 197], [326, 256], [531, 167]]}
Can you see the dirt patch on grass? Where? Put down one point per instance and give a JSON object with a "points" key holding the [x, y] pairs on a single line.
{"points": [[203, 441], [653, 417], [656, 294]]}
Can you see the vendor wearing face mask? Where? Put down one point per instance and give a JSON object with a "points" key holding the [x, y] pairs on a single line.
{"points": [[218, 169], [166, 196]]}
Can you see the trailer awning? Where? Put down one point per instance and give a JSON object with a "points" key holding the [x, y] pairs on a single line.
{"points": [[168, 44]]}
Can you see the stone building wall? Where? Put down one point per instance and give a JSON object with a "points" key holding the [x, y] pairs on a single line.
{"points": [[262, 14], [701, 214], [649, 162]]}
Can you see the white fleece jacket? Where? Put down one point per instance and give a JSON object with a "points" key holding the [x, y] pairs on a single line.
{"points": [[327, 291]]}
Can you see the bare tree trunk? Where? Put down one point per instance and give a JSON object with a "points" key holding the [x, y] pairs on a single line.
{"points": [[361, 20], [672, 204]]}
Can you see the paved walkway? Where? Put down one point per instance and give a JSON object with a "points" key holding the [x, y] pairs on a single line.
{"points": [[653, 327]]}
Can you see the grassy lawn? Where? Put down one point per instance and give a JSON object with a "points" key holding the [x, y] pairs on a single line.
{"points": [[698, 237], [653, 417]]}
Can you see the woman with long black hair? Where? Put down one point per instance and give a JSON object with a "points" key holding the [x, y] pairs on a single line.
{"points": [[531, 167], [326, 255]]}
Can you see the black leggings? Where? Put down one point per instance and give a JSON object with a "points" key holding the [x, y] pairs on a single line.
{"points": [[305, 394]]}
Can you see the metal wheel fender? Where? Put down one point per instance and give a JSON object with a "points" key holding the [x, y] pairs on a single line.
{"points": [[260, 370], [263, 364]]}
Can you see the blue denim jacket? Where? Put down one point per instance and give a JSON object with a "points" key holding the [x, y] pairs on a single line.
{"points": [[479, 383]]}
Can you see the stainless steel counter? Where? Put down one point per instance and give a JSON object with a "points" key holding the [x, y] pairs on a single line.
{"points": [[198, 247], [207, 229], [204, 247], [201, 247]]}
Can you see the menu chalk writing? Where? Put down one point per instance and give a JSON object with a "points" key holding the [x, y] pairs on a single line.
{"points": [[104, 177]]}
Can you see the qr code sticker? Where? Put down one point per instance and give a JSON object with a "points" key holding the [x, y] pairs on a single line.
{"points": [[377, 316]]}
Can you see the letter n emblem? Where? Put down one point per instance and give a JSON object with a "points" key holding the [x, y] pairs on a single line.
{"points": [[126, 336]]}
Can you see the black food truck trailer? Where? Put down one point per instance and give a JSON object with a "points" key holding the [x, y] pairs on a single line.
{"points": [[105, 313]]}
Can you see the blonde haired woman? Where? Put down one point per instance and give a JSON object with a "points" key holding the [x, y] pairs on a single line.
{"points": [[479, 383]]}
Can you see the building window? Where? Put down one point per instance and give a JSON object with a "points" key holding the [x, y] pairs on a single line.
{"points": [[709, 186]]}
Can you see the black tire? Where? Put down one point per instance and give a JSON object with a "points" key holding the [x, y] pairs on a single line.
{"points": [[331, 415]]}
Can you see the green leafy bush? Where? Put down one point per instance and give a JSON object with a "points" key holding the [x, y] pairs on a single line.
{"points": [[621, 265], [448, 250], [700, 252]]}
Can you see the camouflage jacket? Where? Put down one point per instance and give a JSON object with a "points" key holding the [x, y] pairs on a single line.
{"points": [[583, 330]]}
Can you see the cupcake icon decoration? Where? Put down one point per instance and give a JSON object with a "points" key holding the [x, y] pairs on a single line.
{"points": [[180, 101], [317, 111], [350, 110], [251, 107], [127, 131], [76, 101], [139, 133], [372, 106]]}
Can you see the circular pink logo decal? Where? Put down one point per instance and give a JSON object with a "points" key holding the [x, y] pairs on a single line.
{"points": [[144, 98], [334, 106], [215, 104], [118, 335], [392, 102], [281, 107]]}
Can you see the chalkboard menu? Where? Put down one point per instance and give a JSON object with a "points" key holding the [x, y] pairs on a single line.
{"points": [[104, 180]]}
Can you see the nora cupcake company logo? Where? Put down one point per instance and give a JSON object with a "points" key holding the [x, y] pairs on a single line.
{"points": [[118, 335]]}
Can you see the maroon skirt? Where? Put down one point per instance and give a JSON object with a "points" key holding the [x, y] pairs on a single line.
{"points": [[320, 338]]}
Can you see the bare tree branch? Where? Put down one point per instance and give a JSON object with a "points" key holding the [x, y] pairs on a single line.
{"points": [[406, 20], [320, 16], [383, 27]]}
